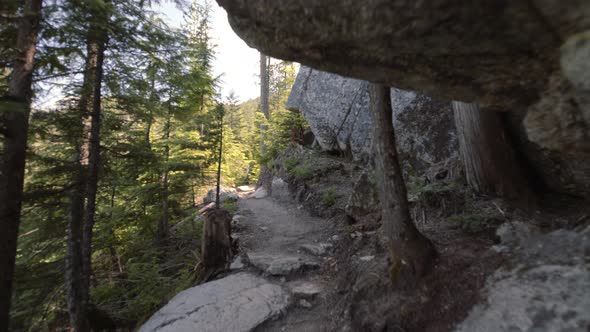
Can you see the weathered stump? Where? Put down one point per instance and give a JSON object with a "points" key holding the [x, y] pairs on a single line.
{"points": [[216, 243]]}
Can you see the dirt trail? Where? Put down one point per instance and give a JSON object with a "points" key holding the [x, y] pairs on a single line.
{"points": [[279, 228], [289, 247]]}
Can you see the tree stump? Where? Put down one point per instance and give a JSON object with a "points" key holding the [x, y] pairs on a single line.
{"points": [[216, 243]]}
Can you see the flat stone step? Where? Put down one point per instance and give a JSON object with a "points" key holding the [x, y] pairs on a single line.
{"points": [[319, 249], [238, 302], [307, 290], [281, 265]]}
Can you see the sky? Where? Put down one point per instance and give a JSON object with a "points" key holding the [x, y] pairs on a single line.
{"points": [[237, 62]]}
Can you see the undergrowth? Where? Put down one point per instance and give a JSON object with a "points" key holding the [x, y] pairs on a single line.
{"points": [[473, 221], [329, 197], [302, 172]]}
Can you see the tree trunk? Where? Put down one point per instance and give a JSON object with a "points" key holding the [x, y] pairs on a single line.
{"points": [[162, 232], [264, 92], [97, 47], [83, 197], [115, 259], [411, 252], [264, 86], [148, 129], [14, 124], [491, 165], [75, 285], [150, 118], [217, 194]]}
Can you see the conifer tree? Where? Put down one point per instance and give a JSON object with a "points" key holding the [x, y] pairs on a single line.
{"points": [[14, 123]]}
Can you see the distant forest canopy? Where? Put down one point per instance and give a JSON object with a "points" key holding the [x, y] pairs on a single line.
{"points": [[116, 168]]}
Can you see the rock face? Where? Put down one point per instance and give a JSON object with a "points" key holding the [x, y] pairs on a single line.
{"points": [[336, 109], [500, 54], [493, 46], [545, 291], [215, 306]]}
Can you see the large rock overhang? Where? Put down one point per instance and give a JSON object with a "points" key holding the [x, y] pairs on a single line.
{"points": [[501, 54], [490, 51]]}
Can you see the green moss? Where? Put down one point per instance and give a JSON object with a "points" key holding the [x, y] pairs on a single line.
{"points": [[329, 197]]}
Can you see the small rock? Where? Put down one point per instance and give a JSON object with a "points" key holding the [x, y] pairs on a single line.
{"points": [[306, 290], [335, 238], [280, 265], [279, 188], [514, 233], [260, 193], [225, 194], [356, 234], [304, 303], [500, 248], [237, 264], [247, 188], [366, 258], [316, 249], [264, 228]]}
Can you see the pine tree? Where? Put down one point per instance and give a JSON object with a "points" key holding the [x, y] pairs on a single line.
{"points": [[14, 123]]}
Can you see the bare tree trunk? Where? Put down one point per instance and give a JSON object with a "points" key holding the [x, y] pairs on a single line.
{"points": [[97, 46], [217, 202], [148, 129], [77, 307], [83, 199], [115, 259], [491, 166], [411, 252], [14, 124], [264, 108], [264, 93], [150, 119], [162, 232]]}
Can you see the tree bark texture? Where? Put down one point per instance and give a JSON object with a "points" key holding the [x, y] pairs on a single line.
{"points": [[216, 242], [14, 124], [83, 197], [411, 252], [491, 165]]}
